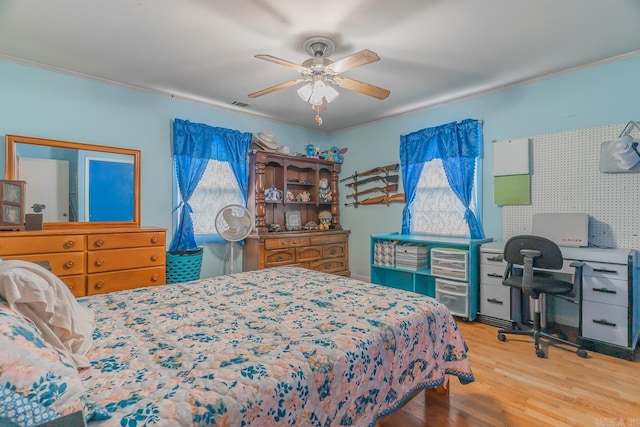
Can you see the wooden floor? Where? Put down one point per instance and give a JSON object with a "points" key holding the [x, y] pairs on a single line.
{"points": [[513, 387]]}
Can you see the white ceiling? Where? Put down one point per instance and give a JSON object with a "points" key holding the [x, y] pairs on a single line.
{"points": [[431, 51]]}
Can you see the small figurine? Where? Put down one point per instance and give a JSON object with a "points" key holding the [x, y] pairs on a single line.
{"points": [[324, 192], [290, 196], [311, 225], [312, 151], [337, 154], [305, 196], [324, 217]]}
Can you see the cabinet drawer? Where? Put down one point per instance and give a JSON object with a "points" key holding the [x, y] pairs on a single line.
{"points": [[451, 273], [448, 286], [332, 238], [76, 285], [457, 304], [491, 274], [125, 240], [121, 259], [330, 251], [282, 257], [495, 301], [455, 255], [602, 289], [492, 258], [286, 243], [329, 265], [612, 271], [40, 244], [308, 253], [119, 280], [605, 322], [62, 264]]}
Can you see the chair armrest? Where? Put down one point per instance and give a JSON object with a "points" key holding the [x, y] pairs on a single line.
{"points": [[577, 277]]}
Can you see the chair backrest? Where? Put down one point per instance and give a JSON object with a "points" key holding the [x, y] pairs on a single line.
{"points": [[550, 255]]}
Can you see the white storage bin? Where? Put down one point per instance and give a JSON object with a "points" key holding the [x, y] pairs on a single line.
{"points": [[449, 263], [454, 296]]}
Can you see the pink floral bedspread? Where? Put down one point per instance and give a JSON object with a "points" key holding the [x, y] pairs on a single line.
{"points": [[282, 346]]}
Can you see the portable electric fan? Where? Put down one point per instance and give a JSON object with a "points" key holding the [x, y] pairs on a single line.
{"points": [[233, 223]]}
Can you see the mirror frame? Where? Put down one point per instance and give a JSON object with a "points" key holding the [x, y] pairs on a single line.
{"points": [[10, 172]]}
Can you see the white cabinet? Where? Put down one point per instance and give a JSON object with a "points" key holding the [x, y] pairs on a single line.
{"points": [[609, 306], [496, 302]]}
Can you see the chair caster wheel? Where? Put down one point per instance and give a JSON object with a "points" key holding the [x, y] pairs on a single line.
{"points": [[582, 353], [502, 337], [540, 353]]}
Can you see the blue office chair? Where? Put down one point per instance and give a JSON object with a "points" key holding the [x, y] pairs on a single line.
{"points": [[532, 253]]}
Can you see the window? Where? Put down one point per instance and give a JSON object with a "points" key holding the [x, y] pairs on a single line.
{"points": [[436, 209], [217, 188]]}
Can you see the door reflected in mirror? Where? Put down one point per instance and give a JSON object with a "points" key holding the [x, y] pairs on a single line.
{"points": [[76, 183]]}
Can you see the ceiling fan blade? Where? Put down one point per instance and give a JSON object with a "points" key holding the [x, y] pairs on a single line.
{"points": [[275, 88], [365, 88], [284, 62], [358, 59]]}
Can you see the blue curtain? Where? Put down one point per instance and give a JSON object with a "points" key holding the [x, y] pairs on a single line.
{"points": [[458, 144], [194, 144]]}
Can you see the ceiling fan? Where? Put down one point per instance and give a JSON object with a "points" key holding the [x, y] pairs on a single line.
{"points": [[320, 70]]}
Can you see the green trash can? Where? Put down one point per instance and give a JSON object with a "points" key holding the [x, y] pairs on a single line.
{"points": [[184, 266]]}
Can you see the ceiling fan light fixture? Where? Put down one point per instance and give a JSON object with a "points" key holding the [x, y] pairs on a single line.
{"points": [[313, 93]]}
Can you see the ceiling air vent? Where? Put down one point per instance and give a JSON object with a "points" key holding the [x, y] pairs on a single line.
{"points": [[240, 104]]}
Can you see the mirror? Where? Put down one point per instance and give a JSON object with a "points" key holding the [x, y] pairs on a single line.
{"points": [[80, 185]]}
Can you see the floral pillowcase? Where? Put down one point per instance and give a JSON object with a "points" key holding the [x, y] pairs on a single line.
{"points": [[36, 383]]}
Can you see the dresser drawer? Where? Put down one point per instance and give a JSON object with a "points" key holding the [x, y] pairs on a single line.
{"points": [[605, 322], [120, 259], [76, 285], [329, 265], [601, 289], [286, 242], [119, 280], [495, 258], [333, 250], [275, 258], [125, 240], [62, 264], [308, 253], [331, 238], [39, 244]]}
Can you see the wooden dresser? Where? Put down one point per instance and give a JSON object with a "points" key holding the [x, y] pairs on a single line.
{"points": [[94, 261], [326, 251]]}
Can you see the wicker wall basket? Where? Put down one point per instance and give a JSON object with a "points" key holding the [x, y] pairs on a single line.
{"points": [[184, 266]]}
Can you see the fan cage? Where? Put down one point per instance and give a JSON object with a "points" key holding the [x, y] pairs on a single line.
{"points": [[184, 266]]}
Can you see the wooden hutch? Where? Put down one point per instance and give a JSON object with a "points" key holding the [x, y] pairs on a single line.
{"points": [[300, 200]]}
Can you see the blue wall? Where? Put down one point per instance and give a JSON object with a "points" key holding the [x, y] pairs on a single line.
{"points": [[46, 104]]}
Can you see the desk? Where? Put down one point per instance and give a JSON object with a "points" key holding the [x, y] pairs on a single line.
{"points": [[606, 309]]}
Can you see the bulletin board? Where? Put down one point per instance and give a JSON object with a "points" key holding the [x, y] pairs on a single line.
{"points": [[565, 178]]}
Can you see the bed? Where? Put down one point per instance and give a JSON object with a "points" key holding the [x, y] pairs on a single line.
{"points": [[280, 346]]}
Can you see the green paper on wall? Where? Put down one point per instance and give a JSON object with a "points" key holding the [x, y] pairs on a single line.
{"points": [[512, 190]]}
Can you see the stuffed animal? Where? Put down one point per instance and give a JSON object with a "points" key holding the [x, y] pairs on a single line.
{"points": [[312, 151]]}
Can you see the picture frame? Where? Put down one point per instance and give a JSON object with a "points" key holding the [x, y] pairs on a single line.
{"points": [[293, 221], [12, 194]]}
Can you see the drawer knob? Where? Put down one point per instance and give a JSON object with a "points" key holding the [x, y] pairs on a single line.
{"points": [[155, 278], [99, 242], [69, 244], [333, 251], [99, 262], [279, 258], [495, 301], [605, 270], [68, 264], [494, 275], [99, 285], [154, 240], [154, 258], [70, 287]]}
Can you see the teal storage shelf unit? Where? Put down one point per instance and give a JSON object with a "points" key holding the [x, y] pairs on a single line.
{"points": [[445, 268]]}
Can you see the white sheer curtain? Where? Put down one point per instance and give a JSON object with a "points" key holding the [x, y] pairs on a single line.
{"points": [[436, 209]]}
